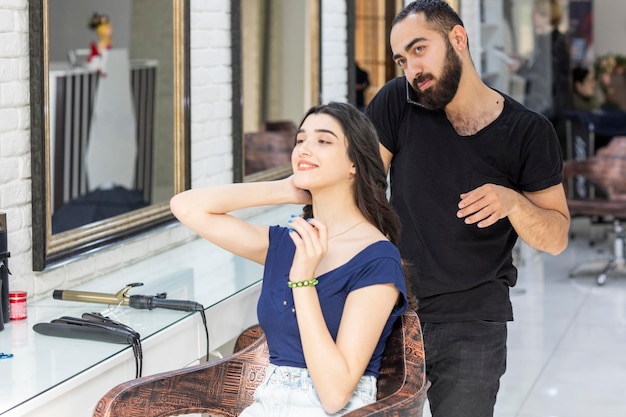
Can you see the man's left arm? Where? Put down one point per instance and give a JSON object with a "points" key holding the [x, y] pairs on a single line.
{"points": [[540, 218]]}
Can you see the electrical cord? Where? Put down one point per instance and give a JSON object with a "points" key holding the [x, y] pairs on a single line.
{"points": [[151, 302], [206, 331], [134, 338], [138, 353]]}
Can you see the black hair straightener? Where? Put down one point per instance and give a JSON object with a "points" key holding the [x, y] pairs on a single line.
{"points": [[95, 326]]}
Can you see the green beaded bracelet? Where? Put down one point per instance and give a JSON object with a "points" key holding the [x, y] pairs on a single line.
{"points": [[308, 283]]}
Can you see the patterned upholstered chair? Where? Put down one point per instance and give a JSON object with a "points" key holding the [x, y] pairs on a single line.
{"points": [[226, 386]]}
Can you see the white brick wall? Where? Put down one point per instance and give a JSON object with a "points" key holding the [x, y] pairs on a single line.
{"points": [[211, 161], [15, 193], [211, 134], [334, 51]]}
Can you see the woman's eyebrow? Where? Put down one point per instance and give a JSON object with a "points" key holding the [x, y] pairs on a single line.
{"points": [[320, 131]]}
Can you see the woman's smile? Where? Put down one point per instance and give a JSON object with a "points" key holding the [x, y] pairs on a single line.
{"points": [[306, 166]]}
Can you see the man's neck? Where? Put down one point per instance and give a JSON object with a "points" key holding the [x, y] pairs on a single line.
{"points": [[474, 106]]}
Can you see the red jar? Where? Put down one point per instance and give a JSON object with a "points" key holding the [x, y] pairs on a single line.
{"points": [[17, 305]]}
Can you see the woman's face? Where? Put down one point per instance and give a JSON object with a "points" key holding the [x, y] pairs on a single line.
{"points": [[320, 156], [587, 87]]}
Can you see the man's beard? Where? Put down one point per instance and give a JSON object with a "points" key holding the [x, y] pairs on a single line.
{"points": [[444, 90]]}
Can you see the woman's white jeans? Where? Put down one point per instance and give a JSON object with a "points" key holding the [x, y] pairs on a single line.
{"points": [[288, 392]]}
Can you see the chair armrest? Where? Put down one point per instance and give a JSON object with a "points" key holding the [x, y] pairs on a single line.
{"points": [[405, 402], [408, 400], [247, 337], [225, 387]]}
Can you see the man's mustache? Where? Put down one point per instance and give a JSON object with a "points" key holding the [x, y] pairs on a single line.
{"points": [[421, 79]]}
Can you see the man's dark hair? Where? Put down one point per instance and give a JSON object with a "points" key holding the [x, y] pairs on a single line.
{"points": [[438, 13]]}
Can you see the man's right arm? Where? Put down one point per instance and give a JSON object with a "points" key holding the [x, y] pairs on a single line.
{"points": [[385, 111]]}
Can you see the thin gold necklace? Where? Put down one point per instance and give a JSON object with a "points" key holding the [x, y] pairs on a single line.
{"points": [[347, 230]]}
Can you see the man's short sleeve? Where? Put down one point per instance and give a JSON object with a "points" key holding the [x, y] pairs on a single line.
{"points": [[385, 111]]}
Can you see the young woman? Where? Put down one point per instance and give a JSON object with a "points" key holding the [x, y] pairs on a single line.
{"points": [[333, 282]]}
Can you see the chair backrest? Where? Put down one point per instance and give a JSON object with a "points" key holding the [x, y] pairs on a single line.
{"points": [[393, 371], [266, 149]]}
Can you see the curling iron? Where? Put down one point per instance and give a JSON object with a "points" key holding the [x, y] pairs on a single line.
{"points": [[121, 297], [144, 302]]}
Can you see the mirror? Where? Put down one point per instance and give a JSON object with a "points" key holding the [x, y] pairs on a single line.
{"points": [[276, 78], [110, 126]]}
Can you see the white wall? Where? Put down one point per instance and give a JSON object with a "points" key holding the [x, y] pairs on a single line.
{"points": [[609, 27], [15, 194], [334, 51], [211, 160], [78, 35]]}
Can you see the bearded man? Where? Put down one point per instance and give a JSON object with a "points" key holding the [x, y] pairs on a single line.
{"points": [[471, 171]]}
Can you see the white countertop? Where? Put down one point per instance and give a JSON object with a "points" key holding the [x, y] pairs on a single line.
{"points": [[197, 271]]}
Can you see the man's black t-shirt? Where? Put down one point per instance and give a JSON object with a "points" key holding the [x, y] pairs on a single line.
{"points": [[460, 272]]}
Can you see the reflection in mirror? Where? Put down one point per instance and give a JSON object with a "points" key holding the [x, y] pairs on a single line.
{"points": [[278, 68], [110, 124]]}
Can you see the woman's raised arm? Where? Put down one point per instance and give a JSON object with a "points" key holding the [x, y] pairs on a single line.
{"points": [[205, 211]]}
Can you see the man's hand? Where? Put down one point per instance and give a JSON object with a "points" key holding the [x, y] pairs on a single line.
{"points": [[540, 218], [487, 204]]}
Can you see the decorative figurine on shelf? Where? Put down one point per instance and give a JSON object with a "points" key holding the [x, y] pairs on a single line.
{"points": [[98, 52]]}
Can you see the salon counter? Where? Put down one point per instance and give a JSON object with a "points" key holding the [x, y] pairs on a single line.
{"points": [[58, 376]]}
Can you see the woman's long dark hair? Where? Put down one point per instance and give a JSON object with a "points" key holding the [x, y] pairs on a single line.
{"points": [[370, 180]]}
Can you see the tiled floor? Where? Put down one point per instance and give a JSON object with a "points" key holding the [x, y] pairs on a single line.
{"points": [[567, 345]]}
